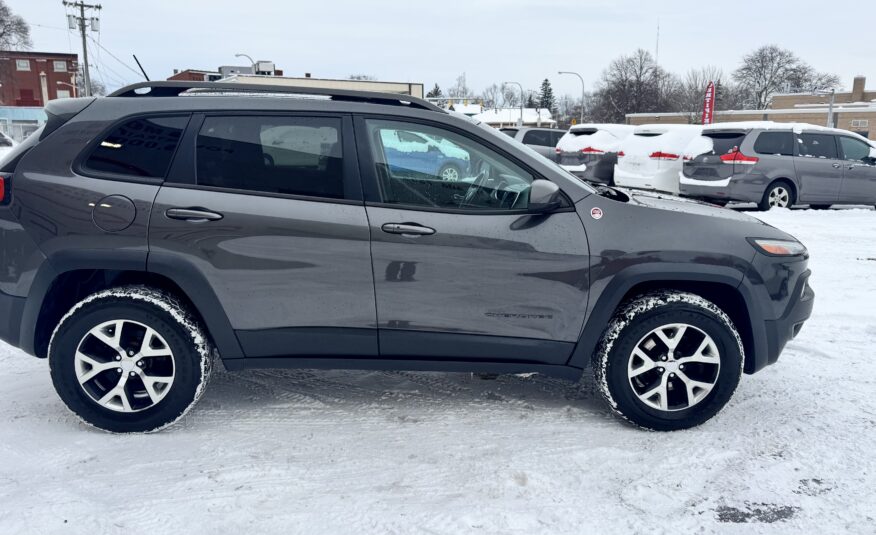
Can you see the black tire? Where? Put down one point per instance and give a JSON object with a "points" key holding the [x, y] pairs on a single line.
{"points": [[631, 326], [765, 204], [820, 206], [191, 355], [448, 168]]}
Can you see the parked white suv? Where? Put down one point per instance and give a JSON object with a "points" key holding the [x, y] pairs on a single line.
{"points": [[589, 151], [652, 157]]}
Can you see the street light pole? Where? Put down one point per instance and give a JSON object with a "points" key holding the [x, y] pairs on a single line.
{"points": [[583, 92], [520, 121], [252, 63], [832, 94]]}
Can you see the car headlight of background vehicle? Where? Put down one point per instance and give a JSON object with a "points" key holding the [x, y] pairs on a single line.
{"points": [[778, 247]]}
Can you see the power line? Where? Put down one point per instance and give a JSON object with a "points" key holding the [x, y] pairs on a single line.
{"points": [[116, 58]]}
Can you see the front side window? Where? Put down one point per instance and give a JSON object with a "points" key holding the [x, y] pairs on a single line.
{"points": [[22, 64], [775, 143], [855, 149], [141, 147], [272, 154], [444, 170], [821, 146], [59, 65]]}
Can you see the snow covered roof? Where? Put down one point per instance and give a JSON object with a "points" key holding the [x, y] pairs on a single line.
{"points": [[664, 128], [511, 115], [615, 129], [772, 125]]}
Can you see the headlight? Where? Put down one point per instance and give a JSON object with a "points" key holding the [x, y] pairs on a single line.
{"points": [[778, 247]]}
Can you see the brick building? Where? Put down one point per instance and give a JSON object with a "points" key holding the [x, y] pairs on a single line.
{"points": [[854, 110], [33, 78]]}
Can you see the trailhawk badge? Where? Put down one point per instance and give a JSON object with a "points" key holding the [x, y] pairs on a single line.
{"points": [[596, 213]]}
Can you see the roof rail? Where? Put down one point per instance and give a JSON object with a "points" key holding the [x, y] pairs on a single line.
{"points": [[173, 88]]}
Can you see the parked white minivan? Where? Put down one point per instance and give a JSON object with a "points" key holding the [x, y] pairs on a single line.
{"points": [[652, 157]]}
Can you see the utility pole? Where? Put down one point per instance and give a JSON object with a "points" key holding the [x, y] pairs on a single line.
{"points": [[73, 21], [832, 94]]}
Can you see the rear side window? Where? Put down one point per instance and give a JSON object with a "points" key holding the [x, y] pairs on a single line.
{"points": [[775, 143], [541, 138], [725, 142], [272, 154], [817, 146], [141, 147], [509, 131]]}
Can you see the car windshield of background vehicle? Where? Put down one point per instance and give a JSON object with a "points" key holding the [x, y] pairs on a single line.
{"points": [[421, 165]]}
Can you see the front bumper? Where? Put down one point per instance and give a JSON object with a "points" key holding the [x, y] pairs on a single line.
{"points": [[784, 329]]}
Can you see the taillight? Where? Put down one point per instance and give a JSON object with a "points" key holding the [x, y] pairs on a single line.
{"points": [[591, 150], [660, 155], [736, 156], [621, 154], [5, 188], [558, 150], [688, 158]]}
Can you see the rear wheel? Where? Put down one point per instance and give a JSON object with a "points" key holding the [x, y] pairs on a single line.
{"points": [[129, 359], [668, 361], [449, 173], [779, 194]]}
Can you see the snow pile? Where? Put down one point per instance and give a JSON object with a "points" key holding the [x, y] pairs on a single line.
{"points": [[509, 116], [669, 138], [347, 452], [605, 138]]}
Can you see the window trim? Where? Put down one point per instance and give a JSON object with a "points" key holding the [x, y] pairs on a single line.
{"points": [[184, 168], [18, 65], [370, 182], [55, 63], [78, 166]]}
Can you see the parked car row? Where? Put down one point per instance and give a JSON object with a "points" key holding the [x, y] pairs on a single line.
{"points": [[767, 163]]}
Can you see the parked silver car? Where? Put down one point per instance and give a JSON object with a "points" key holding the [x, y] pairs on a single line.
{"points": [[542, 140], [780, 165]]}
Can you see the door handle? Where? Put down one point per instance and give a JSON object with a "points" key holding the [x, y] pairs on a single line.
{"points": [[195, 215], [836, 166], [409, 229]]}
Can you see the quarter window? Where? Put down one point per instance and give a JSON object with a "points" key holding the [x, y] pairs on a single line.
{"points": [[854, 149], [272, 154], [775, 143], [140, 147], [447, 171], [817, 146]]}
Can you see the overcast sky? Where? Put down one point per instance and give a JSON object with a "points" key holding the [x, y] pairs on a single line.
{"points": [[428, 42]]}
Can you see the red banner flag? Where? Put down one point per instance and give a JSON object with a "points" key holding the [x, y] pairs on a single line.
{"points": [[709, 104]]}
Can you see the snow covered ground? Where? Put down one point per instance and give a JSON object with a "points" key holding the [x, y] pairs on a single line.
{"points": [[336, 452]]}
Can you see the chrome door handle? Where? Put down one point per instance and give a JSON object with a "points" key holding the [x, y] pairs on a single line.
{"points": [[195, 215], [409, 229]]}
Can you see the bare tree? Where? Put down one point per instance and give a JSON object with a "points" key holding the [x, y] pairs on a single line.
{"points": [[771, 69], [14, 30], [460, 89], [634, 84], [493, 96]]}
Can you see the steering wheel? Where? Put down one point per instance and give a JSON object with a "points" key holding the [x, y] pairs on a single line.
{"points": [[477, 184]]}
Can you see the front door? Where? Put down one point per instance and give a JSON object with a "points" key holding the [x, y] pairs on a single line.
{"points": [[271, 218], [819, 169], [859, 172], [462, 271]]}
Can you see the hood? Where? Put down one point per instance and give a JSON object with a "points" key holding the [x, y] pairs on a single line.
{"points": [[672, 203]]}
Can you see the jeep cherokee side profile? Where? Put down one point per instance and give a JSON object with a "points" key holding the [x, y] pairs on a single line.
{"points": [[147, 233]]}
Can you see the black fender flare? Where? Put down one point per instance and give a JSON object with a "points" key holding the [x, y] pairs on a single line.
{"points": [[622, 282], [185, 275]]}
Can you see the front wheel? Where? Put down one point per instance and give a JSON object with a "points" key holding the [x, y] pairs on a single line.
{"points": [[669, 360], [130, 359]]}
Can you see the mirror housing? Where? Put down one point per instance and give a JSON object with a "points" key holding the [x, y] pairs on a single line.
{"points": [[544, 196]]}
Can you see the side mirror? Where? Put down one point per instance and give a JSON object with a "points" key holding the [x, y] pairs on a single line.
{"points": [[544, 196]]}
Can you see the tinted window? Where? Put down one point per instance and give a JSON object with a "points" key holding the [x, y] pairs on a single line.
{"points": [[724, 142], [854, 149], [538, 137], [448, 171], [583, 131], [776, 143], [556, 136], [139, 147], [509, 131], [817, 146], [291, 155]]}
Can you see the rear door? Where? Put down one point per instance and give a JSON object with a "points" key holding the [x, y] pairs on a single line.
{"points": [[819, 168], [713, 164], [266, 211], [859, 172], [462, 270]]}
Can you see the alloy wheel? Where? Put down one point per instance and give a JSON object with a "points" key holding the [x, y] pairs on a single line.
{"points": [[779, 197], [450, 174], [124, 365], [674, 367]]}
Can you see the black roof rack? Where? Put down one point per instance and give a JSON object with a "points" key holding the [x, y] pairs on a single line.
{"points": [[173, 88]]}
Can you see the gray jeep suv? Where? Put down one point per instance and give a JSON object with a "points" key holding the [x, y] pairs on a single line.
{"points": [[148, 233], [780, 165]]}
